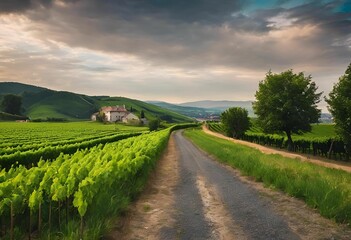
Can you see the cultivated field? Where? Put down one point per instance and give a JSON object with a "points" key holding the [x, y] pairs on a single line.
{"points": [[67, 180], [321, 141]]}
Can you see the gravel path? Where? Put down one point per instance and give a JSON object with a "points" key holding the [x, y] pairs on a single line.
{"points": [[252, 215]]}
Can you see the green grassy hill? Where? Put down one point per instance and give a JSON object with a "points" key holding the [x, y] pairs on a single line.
{"points": [[62, 105], [18, 88], [42, 103]]}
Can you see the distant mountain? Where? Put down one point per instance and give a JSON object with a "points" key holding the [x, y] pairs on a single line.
{"points": [[205, 109], [44, 103], [220, 105], [217, 104], [193, 112]]}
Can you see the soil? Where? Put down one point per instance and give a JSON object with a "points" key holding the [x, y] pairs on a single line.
{"points": [[192, 196], [153, 209], [303, 157]]}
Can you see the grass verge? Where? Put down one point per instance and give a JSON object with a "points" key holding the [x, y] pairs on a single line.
{"points": [[328, 190]]}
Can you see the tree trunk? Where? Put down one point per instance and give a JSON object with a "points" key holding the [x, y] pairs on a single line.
{"points": [[290, 141], [67, 203], [12, 223], [50, 218], [81, 227], [30, 225], [330, 149], [59, 215], [2, 226], [39, 219]]}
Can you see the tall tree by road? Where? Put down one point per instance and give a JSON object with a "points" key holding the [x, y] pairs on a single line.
{"points": [[235, 121], [340, 107], [12, 104], [287, 102]]}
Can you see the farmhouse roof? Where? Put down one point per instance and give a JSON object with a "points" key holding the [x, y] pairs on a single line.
{"points": [[113, 109]]}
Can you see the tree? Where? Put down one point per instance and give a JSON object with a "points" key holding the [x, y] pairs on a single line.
{"points": [[12, 104], [287, 102], [340, 107], [235, 121], [101, 117], [142, 114], [154, 124]]}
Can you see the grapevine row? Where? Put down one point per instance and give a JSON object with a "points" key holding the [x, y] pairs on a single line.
{"points": [[67, 194], [321, 146], [34, 146], [30, 157]]}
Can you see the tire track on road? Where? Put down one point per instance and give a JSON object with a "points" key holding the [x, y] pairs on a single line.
{"points": [[253, 214]]}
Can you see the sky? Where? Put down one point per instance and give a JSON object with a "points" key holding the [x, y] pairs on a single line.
{"points": [[172, 50]]}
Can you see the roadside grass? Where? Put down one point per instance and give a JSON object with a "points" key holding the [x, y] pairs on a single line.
{"points": [[325, 189]]}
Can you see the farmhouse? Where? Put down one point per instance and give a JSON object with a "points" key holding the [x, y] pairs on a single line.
{"points": [[116, 114]]}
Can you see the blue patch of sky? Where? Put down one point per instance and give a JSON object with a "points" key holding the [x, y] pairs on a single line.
{"points": [[271, 4], [340, 7], [344, 7]]}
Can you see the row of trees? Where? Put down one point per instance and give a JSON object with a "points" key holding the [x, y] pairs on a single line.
{"points": [[287, 102], [12, 104]]}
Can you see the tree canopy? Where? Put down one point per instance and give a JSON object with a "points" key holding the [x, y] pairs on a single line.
{"points": [[12, 104], [287, 102], [154, 124], [340, 107], [235, 121]]}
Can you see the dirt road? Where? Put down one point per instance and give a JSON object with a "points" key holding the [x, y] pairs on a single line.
{"points": [[303, 157], [191, 196]]}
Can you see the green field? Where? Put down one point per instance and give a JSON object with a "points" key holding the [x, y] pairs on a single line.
{"points": [[328, 190], [16, 133], [317, 131], [27, 143]]}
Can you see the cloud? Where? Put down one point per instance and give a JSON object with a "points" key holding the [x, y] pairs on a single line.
{"points": [[164, 45], [161, 32]]}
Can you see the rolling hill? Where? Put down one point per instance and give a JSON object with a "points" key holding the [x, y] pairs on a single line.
{"points": [[205, 109], [42, 103], [220, 105], [194, 112]]}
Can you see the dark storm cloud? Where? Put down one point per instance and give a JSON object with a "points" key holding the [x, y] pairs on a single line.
{"points": [[328, 16], [197, 33], [13, 6], [7, 6], [203, 11]]}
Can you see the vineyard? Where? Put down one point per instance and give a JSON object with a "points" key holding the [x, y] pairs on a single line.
{"points": [[73, 194], [324, 189], [322, 141]]}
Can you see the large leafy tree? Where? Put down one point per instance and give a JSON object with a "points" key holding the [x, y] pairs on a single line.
{"points": [[235, 121], [340, 107], [287, 102], [12, 104]]}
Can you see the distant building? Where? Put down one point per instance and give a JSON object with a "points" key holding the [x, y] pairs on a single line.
{"points": [[94, 116], [130, 117], [116, 114]]}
